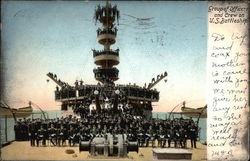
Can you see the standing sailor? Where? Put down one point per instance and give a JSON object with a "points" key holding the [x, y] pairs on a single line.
{"points": [[32, 133], [193, 134]]}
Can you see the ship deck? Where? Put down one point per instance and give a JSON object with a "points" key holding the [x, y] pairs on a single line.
{"points": [[23, 151]]}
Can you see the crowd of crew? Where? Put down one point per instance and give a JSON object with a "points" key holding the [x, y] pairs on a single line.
{"points": [[88, 90], [147, 132]]}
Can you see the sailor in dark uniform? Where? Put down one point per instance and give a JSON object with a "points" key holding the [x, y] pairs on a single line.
{"points": [[147, 137], [183, 138], [52, 135], [85, 134], [46, 131], [140, 136], [65, 135], [171, 136], [17, 129], [161, 138], [193, 134], [32, 134], [110, 129], [41, 136], [61, 136], [176, 137], [131, 135], [71, 136], [167, 137], [153, 135], [77, 134], [99, 131], [34, 122], [93, 131], [24, 131], [156, 132], [115, 131]]}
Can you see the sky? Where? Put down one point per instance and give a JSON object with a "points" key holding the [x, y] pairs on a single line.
{"points": [[57, 36]]}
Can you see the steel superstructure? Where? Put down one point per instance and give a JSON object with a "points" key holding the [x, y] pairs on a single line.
{"points": [[107, 94]]}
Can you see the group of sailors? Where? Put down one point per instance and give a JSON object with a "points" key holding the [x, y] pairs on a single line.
{"points": [[108, 52], [63, 84], [108, 10], [154, 80], [112, 30], [84, 111], [174, 132], [88, 91]]}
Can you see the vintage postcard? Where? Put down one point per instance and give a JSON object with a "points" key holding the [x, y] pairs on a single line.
{"points": [[129, 80]]}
